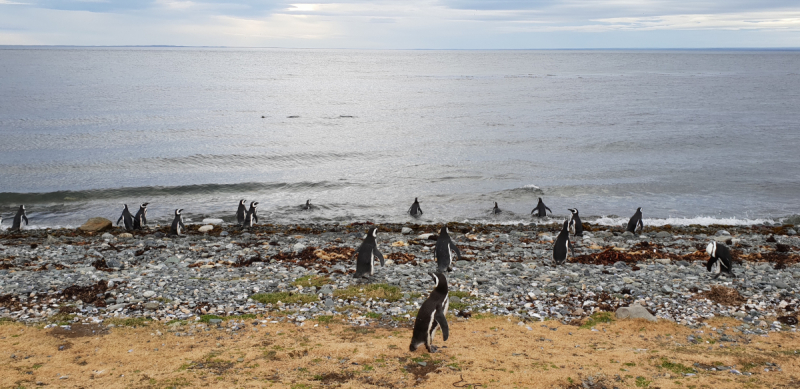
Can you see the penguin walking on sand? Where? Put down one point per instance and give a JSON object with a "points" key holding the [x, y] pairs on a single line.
{"points": [[308, 205], [636, 221], [575, 222], [541, 210], [366, 254], [127, 217], [563, 246], [140, 219], [444, 251], [720, 260], [18, 218], [415, 210], [496, 209], [241, 212], [252, 216], [432, 316], [177, 224]]}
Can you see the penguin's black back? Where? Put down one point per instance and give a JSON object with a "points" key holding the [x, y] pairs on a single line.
{"points": [[634, 221], [561, 247]]}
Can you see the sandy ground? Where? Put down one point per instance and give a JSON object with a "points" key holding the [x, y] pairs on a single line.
{"points": [[481, 352]]}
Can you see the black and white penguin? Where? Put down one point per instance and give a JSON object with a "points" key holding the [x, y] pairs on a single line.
{"points": [[252, 215], [415, 210], [496, 209], [18, 218], [366, 254], [444, 251], [177, 223], [127, 217], [541, 209], [241, 212], [308, 205], [575, 222], [140, 219], [563, 246], [636, 221], [720, 260], [432, 316]]}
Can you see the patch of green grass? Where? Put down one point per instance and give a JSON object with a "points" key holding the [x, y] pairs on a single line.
{"points": [[460, 294], [246, 316], [629, 364], [301, 386], [677, 368], [642, 382], [458, 306], [129, 322], [373, 315], [309, 281], [597, 318], [373, 291], [484, 316], [177, 321], [62, 318], [284, 297], [323, 319], [207, 318], [5, 320]]}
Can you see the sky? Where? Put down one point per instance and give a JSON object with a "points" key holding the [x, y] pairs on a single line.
{"points": [[405, 24]]}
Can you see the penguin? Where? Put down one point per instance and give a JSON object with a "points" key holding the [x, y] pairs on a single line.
{"points": [[415, 210], [366, 254], [240, 212], [575, 222], [563, 246], [18, 218], [308, 205], [177, 223], [252, 216], [541, 209], [127, 217], [432, 316], [444, 251], [636, 221], [140, 219], [496, 209], [720, 259]]}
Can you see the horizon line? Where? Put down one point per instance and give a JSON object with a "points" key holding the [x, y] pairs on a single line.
{"points": [[412, 49]]}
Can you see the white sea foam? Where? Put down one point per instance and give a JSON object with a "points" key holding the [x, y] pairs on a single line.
{"points": [[682, 221]]}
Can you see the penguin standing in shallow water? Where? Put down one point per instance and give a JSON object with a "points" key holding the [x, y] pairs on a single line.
{"points": [[18, 218], [541, 209], [575, 223], [431, 316], [366, 254], [496, 209], [240, 212], [177, 223], [141, 217], [252, 216], [308, 205], [636, 221], [563, 246], [415, 210], [721, 259], [127, 217], [444, 251]]}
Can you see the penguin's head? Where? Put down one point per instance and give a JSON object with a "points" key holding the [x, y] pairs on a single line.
{"points": [[639, 209], [415, 200], [574, 211], [373, 232], [178, 212], [22, 207], [253, 204], [495, 204], [242, 201], [711, 249], [125, 206], [439, 280], [144, 205], [540, 199], [444, 230], [308, 202]]}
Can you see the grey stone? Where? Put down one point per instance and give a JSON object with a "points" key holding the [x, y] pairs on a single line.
{"points": [[149, 294], [666, 289], [620, 265], [663, 235], [298, 247], [635, 312], [455, 299], [223, 233], [723, 232], [329, 303], [113, 263], [115, 306], [781, 284], [406, 231], [628, 234], [326, 289], [172, 260], [151, 306], [107, 236]]}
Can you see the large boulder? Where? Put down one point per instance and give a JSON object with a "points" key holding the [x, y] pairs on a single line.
{"points": [[96, 224], [635, 312]]}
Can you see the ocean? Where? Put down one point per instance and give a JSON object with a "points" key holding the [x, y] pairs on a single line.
{"points": [[692, 137]]}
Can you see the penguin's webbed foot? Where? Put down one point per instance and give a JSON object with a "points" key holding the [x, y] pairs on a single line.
{"points": [[432, 349], [716, 276]]}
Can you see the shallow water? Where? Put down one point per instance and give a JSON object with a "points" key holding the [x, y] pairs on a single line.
{"points": [[694, 136]]}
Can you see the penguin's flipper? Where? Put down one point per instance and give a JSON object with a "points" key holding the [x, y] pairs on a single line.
{"points": [[710, 263], [182, 225], [455, 248], [26, 219], [255, 218], [120, 218], [379, 255], [442, 322], [144, 219], [551, 211]]}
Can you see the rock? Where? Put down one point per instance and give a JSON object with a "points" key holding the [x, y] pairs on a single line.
{"points": [[223, 233], [791, 232], [96, 224], [298, 247], [739, 314], [115, 307], [113, 263], [455, 299], [212, 221], [406, 231], [424, 236], [107, 236], [682, 263], [663, 261], [723, 232], [666, 289], [780, 284], [205, 228], [124, 235], [620, 265], [149, 294], [628, 234], [634, 312], [329, 303], [603, 234], [215, 321], [578, 312], [51, 240], [663, 235], [326, 289], [172, 260], [151, 306]]}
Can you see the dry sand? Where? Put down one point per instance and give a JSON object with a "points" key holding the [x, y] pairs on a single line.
{"points": [[487, 352]]}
